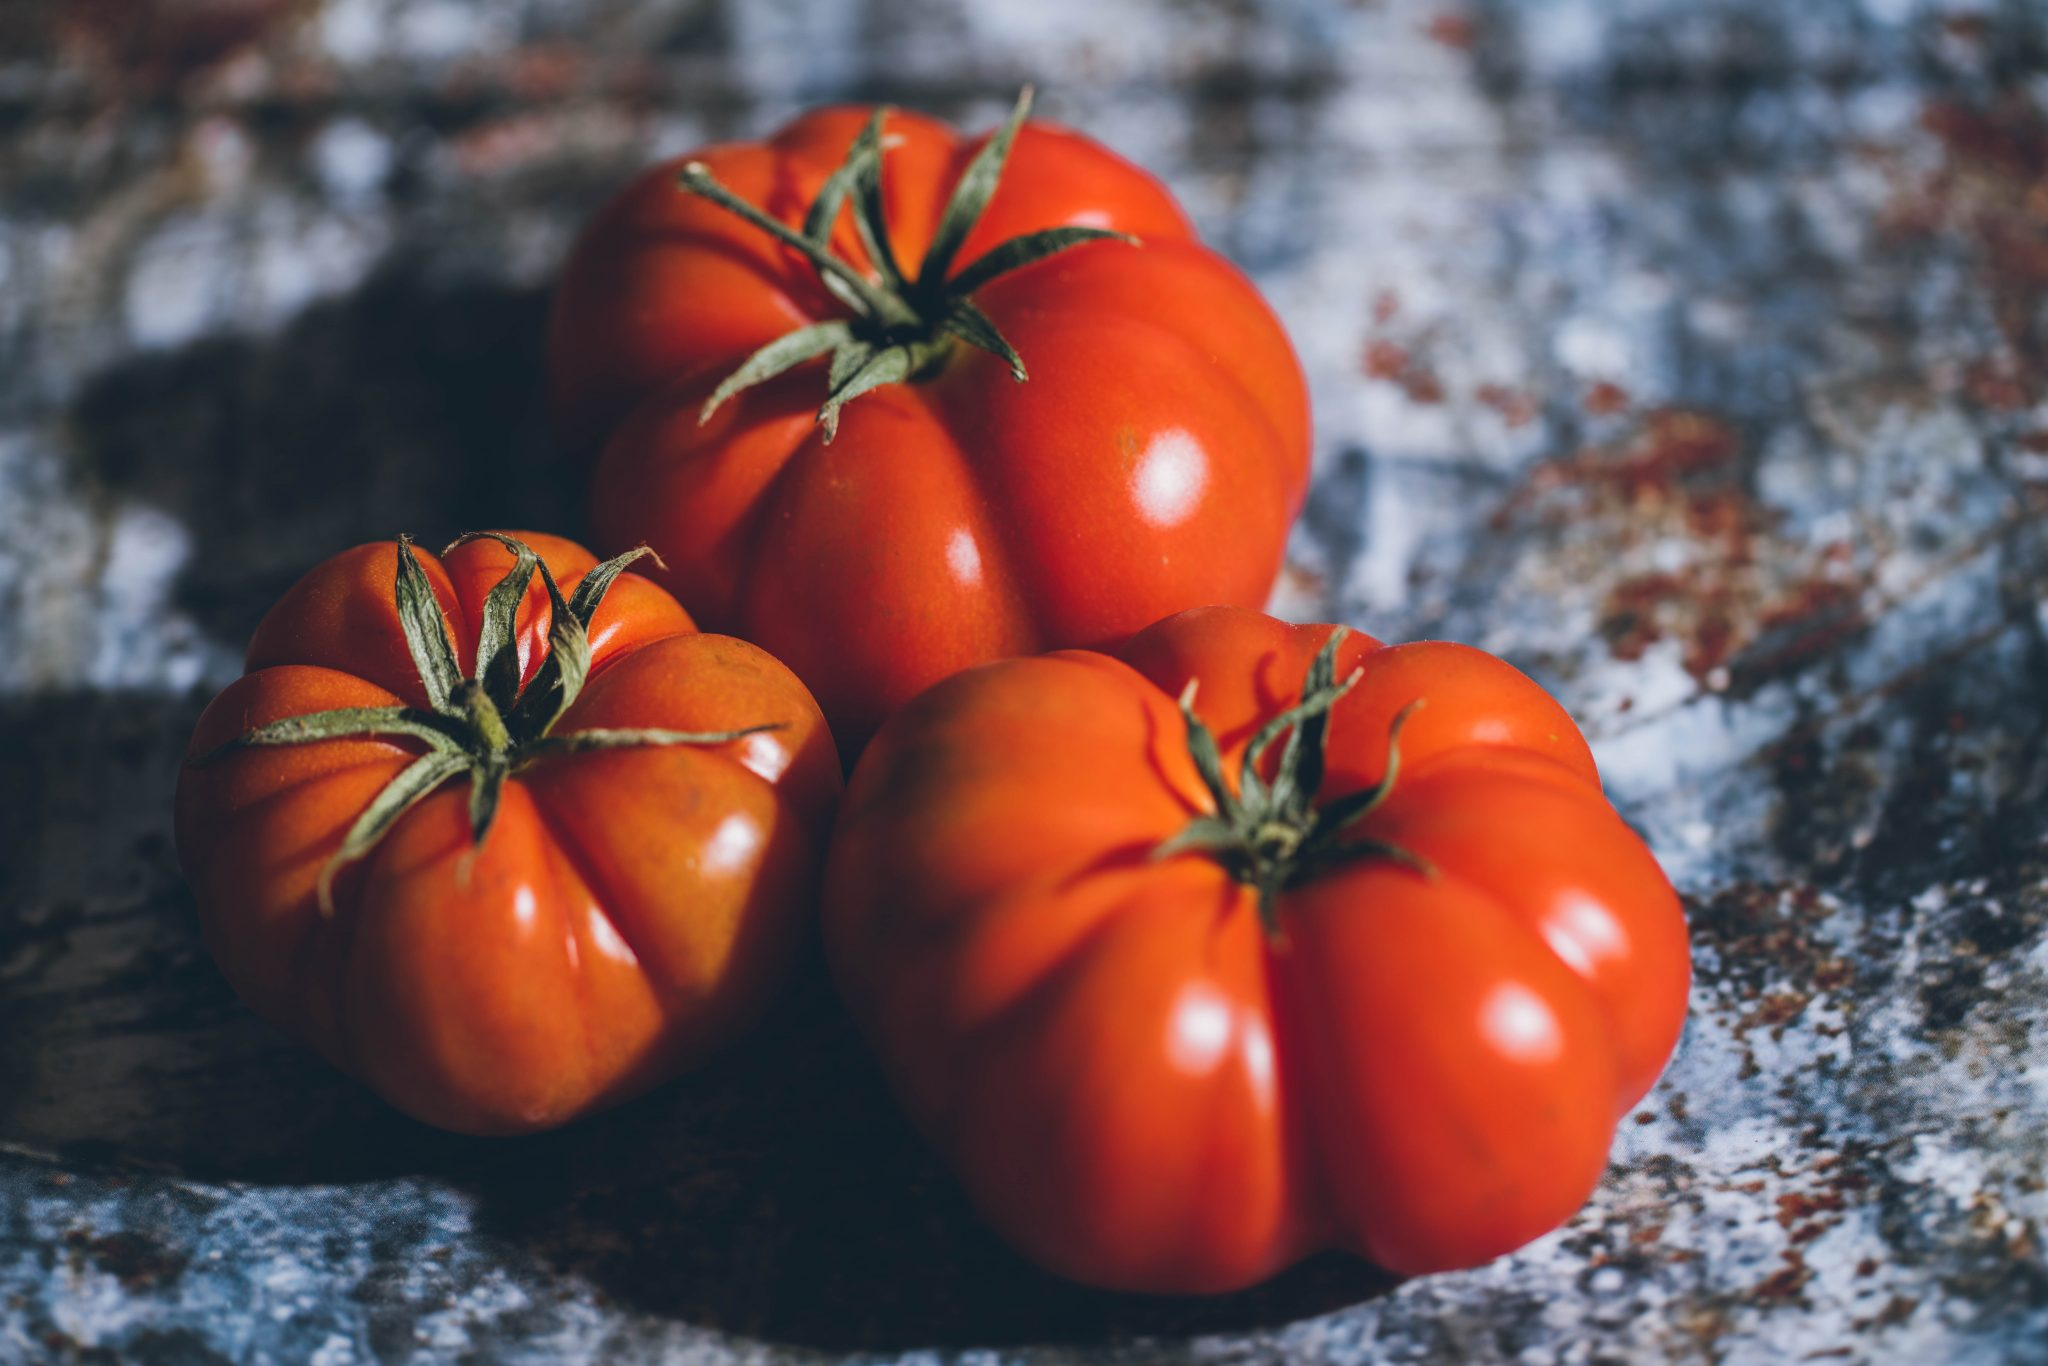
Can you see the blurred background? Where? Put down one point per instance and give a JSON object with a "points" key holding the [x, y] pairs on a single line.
{"points": [[1690, 353]]}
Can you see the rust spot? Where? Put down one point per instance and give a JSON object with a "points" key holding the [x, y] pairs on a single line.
{"points": [[152, 45], [1787, 1283], [1516, 408], [1833, 974], [1458, 31], [1676, 445], [1774, 1012], [135, 1259], [1604, 399], [1422, 387], [1746, 600], [1796, 1205], [1993, 383], [1628, 621], [1384, 360], [1990, 191], [2006, 135], [545, 71], [1766, 936]]}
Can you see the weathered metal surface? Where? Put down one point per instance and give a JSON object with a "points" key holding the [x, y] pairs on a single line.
{"points": [[1693, 355]]}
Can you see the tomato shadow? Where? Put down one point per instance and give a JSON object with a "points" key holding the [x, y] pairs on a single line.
{"points": [[415, 402], [120, 1043], [781, 1195]]}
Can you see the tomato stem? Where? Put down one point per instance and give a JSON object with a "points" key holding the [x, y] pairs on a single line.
{"points": [[484, 717], [1272, 835], [878, 302], [486, 727], [901, 329]]}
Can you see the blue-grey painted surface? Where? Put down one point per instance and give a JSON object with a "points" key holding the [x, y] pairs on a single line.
{"points": [[1691, 353]]}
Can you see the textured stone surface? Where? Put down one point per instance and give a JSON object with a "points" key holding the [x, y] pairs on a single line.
{"points": [[1691, 353]]}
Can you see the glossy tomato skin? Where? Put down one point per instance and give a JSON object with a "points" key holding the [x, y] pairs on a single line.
{"points": [[1145, 1091], [630, 911], [1154, 459]]}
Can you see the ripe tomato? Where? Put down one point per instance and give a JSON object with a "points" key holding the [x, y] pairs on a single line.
{"points": [[1152, 460], [1176, 1028], [504, 856]]}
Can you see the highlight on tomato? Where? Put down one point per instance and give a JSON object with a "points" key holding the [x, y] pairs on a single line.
{"points": [[890, 401], [1254, 940], [500, 832]]}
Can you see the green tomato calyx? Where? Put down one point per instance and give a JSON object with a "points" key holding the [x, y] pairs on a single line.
{"points": [[1271, 834], [487, 726], [902, 326]]}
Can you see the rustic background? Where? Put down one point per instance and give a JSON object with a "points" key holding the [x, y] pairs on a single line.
{"points": [[1691, 353]]}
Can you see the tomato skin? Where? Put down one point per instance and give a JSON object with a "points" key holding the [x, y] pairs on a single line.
{"points": [[1145, 1091], [629, 913], [1154, 459]]}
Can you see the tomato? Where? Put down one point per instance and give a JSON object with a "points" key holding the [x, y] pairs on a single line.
{"points": [[723, 318], [504, 854], [1179, 1022]]}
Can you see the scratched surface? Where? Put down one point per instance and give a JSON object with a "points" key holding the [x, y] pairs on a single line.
{"points": [[1691, 353]]}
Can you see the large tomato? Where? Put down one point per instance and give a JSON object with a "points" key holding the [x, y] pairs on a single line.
{"points": [[1179, 1021], [1152, 460], [505, 856]]}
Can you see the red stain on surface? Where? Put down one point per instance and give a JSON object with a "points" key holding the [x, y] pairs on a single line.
{"points": [[1989, 189], [501, 145], [1516, 408], [1390, 361], [1997, 385], [1422, 387], [1384, 360], [1459, 31], [1743, 601], [1797, 1206], [1787, 1283], [1604, 399], [1774, 1012], [153, 45], [545, 71]]}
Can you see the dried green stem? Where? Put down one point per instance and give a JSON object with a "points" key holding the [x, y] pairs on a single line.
{"points": [[486, 727], [901, 328], [1272, 835]]}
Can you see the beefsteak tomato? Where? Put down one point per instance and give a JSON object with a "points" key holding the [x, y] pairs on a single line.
{"points": [[1188, 994], [506, 856], [730, 312]]}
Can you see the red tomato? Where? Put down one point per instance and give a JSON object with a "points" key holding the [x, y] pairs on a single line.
{"points": [[543, 892], [1152, 461], [1177, 1030]]}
